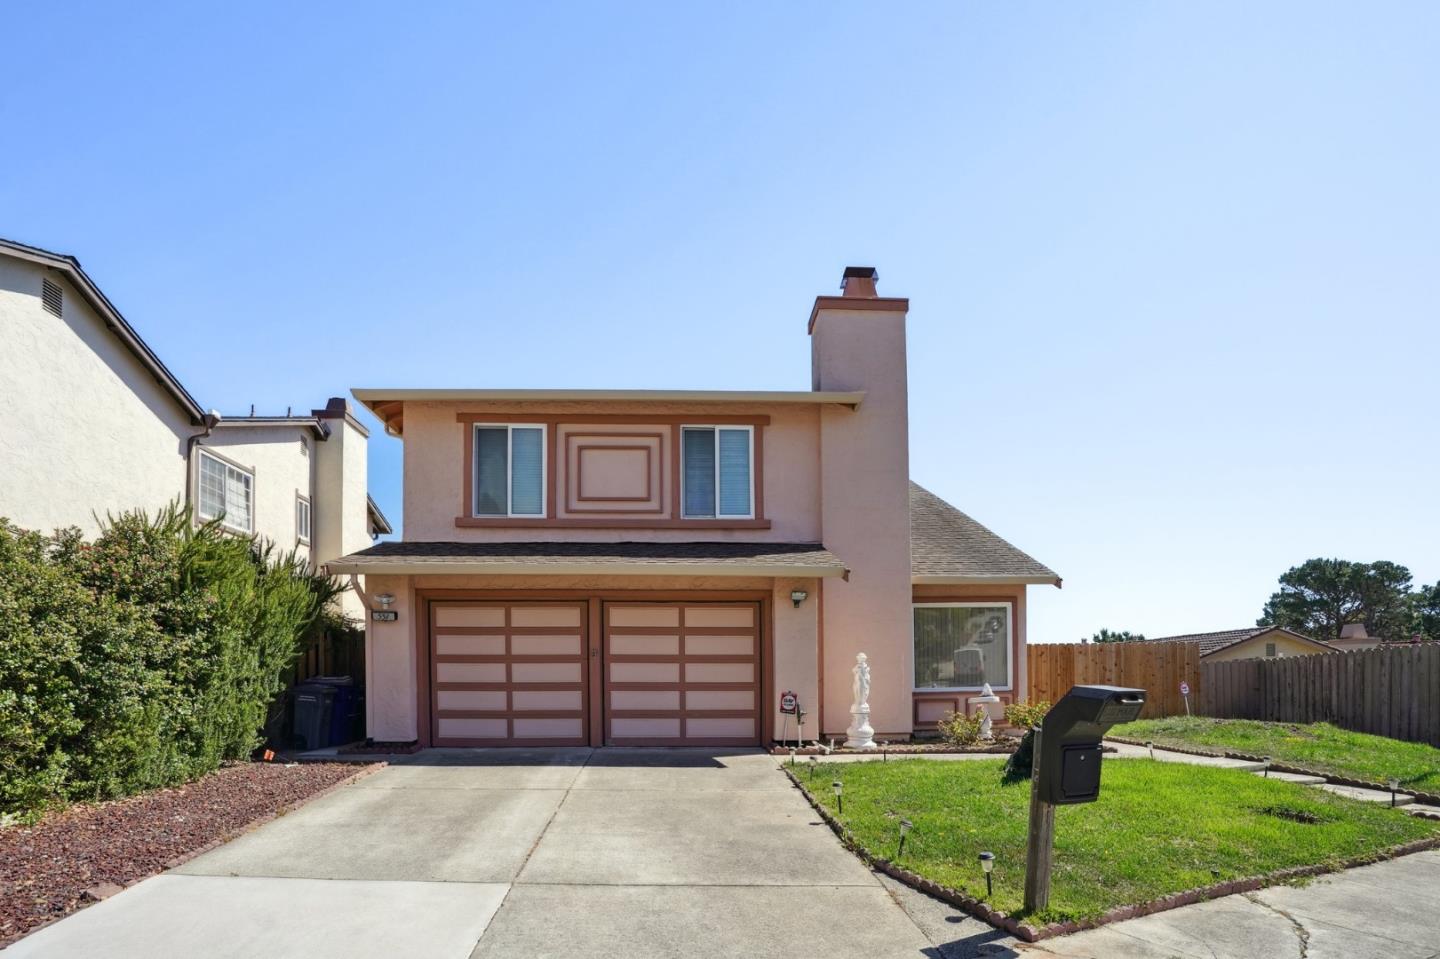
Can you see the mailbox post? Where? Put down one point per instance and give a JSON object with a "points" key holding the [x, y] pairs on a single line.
{"points": [[1066, 769]]}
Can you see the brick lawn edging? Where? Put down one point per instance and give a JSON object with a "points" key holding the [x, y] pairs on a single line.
{"points": [[1031, 933], [1428, 798], [901, 749]]}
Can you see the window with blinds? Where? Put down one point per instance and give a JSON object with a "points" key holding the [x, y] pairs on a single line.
{"points": [[226, 493], [962, 646], [509, 470], [716, 475]]}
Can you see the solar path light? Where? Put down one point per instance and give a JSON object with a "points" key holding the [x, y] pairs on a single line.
{"points": [[987, 863], [905, 827], [839, 797], [1394, 785]]}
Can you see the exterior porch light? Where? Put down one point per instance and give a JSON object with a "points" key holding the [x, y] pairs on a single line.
{"points": [[797, 596], [839, 788], [905, 827], [386, 600], [987, 863]]}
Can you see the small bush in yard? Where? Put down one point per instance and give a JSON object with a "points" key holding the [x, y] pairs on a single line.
{"points": [[1026, 715], [143, 659], [962, 730]]}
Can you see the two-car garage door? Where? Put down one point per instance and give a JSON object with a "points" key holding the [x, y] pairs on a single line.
{"points": [[526, 673]]}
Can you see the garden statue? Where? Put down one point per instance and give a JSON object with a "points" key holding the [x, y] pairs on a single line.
{"points": [[986, 697], [860, 735]]}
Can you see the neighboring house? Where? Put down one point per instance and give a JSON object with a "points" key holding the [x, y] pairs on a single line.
{"points": [[95, 424], [1254, 642], [1353, 636], [657, 567]]}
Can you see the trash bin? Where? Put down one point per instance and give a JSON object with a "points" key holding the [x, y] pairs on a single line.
{"points": [[344, 708], [313, 710]]}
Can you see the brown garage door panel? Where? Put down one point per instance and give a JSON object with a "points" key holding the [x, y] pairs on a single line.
{"points": [[682, 674], [508, 674]]}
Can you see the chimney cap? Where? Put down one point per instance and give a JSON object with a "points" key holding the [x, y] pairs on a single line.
{"points": [[859, 273], [859, 281]]}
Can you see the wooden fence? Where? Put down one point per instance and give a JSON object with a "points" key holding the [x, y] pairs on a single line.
{"points": [[1157, 668], [338, 653], [1389, 691]]}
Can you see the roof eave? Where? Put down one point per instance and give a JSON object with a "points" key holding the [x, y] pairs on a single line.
{"points": [[404, 567], [983, 580], [112, 319]]}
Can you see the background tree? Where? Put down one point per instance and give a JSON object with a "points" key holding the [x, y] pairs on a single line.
{"points": [[1321, 596], [1427, 612], [1112, 636]]}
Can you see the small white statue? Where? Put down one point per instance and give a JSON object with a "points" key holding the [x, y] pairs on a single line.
{"points": [[986, 697], [860, 735], [862, 680]]}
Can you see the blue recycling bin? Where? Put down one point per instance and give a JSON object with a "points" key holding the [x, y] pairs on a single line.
{"points": [[344, 709]]}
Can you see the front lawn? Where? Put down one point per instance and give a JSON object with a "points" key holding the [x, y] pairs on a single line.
{"points": [[1318, 746], [1158, 828]]}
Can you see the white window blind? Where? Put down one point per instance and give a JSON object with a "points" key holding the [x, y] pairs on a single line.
{"points": [[716, 471], [962, 646], [509, 470]]}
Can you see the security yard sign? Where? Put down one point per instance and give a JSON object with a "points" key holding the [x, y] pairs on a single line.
{"points": [[789, 702]]}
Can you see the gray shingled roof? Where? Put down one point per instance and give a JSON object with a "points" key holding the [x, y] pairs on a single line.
{"points": [[947, 544], [798, 559], [1225, 638]]}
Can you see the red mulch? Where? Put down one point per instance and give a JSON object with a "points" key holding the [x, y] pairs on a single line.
{"points": [[45, 869]]}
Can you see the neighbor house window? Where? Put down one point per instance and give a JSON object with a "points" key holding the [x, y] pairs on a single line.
{"points": [[962, 645], [302, 520], [717, 479], [1270, 650], [226, 492], [509, 470]]}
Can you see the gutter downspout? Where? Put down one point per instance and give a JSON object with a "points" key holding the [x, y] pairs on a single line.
{"points": [[211, 420]]}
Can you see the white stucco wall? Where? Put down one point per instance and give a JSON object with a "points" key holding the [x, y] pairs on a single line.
{"points": [[281, 468], [85, 429], [341, 515]]}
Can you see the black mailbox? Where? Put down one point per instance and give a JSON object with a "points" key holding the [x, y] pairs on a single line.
{"points": [[1070, 734]]}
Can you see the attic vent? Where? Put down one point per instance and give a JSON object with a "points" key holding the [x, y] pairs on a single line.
{"points": [[51, 297]]}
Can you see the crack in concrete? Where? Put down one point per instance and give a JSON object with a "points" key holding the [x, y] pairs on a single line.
{"points": [[1301, 932]]}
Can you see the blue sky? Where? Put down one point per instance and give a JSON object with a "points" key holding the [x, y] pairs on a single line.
{"points": [[1174, 268]]}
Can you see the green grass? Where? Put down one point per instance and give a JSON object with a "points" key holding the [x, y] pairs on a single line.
{"points": [[1317, 746], [1157, 829]]}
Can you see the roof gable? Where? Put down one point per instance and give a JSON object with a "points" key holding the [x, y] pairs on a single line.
{"points": [[110, 316], [947, 546], [1225, 638]]}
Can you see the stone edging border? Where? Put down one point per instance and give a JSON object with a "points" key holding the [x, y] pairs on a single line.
{"points": [[1427, 798], [1030, 933], [900, 749]]}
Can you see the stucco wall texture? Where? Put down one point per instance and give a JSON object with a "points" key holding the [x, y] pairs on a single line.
{"points": [[86, 430]]}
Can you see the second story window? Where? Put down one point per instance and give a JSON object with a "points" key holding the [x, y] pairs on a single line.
{"points": [[226, 491], [716, 475], [302, 520], [509, 470]]}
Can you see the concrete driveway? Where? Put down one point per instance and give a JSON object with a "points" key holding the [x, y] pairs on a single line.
{"points": [[647, 853], [505, 853]]}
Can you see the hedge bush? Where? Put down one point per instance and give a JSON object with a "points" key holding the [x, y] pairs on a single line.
{"points": [[142, 659]]}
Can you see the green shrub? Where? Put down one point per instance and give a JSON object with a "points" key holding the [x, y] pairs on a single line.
{"points": [[962, 730], [1026, 715], [143, 659]]}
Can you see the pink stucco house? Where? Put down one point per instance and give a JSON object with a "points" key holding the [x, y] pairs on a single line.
{"points": [[643, 567]]}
